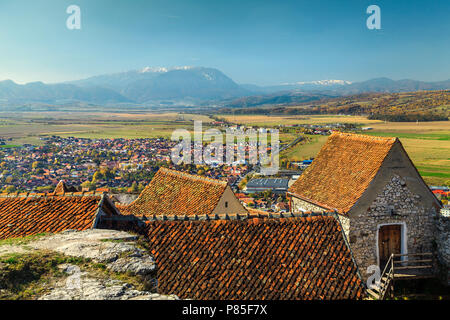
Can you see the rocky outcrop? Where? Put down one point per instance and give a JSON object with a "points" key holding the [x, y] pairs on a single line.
{"points": [[116, 249], [80, 286], [117, 252]]}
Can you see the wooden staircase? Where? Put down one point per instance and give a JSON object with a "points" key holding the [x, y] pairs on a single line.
{"points": [[402, 267]]}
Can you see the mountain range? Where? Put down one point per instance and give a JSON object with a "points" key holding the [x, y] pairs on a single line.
{"points": [[191, 86]]}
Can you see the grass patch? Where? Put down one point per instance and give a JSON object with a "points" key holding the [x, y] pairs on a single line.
{"points": [[305, 149], [27, 276], [435, 174], [22, 240], [421, 136], [8, 146]]}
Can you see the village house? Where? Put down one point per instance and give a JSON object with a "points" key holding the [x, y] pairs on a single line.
{"points": [[173, 192], [383, 204], [30, 214]]}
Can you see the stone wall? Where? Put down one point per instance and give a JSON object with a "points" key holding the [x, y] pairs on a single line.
{"points": [[395, 204], [299, 205], [443, 244], [345, 223]]}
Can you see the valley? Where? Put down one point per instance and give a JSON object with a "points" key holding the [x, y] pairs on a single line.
{"points": [[427, 143]]}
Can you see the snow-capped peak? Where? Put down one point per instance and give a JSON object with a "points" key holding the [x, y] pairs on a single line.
{"points": [[163, 69], [153, 69], [325, 82]]}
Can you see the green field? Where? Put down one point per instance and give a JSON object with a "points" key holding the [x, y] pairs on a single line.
{"points": [[307, 150], [264, 120], [427, 143], [28, 127]]}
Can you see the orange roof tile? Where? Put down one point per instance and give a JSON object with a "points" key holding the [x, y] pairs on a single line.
{"points": [[175, 192], [23, 215], [254, 258], [342, 170]]}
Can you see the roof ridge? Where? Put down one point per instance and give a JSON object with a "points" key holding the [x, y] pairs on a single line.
{"points": [[343, 156], [244, 216], [51, 194], [185, 175], [363, 136]]}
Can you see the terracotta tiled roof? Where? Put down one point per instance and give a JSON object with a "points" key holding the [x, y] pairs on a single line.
{"points": [[23, 215], [175, 192], [254, 258], [62, 187], [342, 170]]}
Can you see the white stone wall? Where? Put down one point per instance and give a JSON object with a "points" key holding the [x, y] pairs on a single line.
{"points": [[345, 223], [299, 205]]}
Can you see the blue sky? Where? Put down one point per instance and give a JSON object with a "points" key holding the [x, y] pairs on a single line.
{"points": [[260, 42]]}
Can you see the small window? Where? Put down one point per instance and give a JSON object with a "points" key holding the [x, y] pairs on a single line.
{"points": [[226, 204]]}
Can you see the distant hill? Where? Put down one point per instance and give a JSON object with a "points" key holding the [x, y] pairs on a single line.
{"points": [[151, 84], [305, 92], [389, 85], [280, 98], [319, 85], [429, 105], [38, 92], [191, 86]]}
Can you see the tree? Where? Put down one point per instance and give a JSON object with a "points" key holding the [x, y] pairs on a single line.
{"points": [[97, 176], [10, 189], [89, 185], [134, 187]]}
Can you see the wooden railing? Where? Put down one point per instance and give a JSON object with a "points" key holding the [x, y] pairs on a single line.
{"points": [[420, 262], [401, 266], [387, 278]]}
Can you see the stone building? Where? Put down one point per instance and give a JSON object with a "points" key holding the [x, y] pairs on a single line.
{"points": [[383, 204], [443, 243]]}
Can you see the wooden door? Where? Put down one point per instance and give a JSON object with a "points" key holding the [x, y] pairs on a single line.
{"points": [[389, 242]]}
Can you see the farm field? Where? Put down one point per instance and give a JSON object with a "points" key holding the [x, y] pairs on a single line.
{"points": [[264, 120], [306, 150], [427, 143], [28, 127]]}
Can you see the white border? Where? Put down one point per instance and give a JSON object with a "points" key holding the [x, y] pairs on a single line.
{"points": [[404, 238]]}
